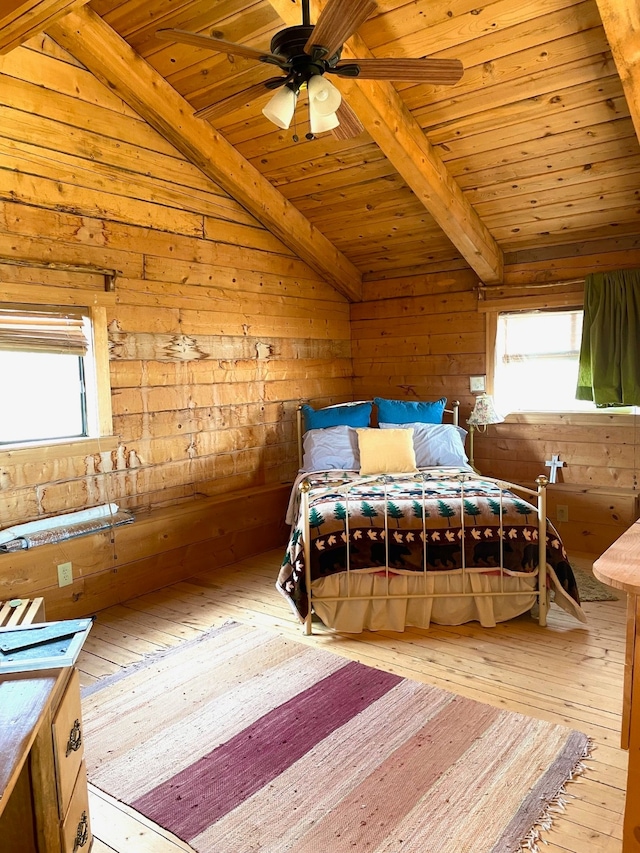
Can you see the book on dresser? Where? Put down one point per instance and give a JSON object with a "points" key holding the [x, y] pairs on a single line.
{"points": [[45, 645]]}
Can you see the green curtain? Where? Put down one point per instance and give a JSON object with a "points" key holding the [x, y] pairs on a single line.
{"points": [[609, 365]]}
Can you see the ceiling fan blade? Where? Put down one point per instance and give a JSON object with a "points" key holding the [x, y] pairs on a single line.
{"points": [[440, 71], [350, 125], [210, 43], [337, 22], [240, 99]]}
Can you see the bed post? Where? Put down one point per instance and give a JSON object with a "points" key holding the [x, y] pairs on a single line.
{"points": [[456, 412], [305, 487], [543, 598], [299, 433]]}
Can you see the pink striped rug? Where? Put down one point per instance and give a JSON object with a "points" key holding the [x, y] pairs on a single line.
{"points": [[244, 741]]}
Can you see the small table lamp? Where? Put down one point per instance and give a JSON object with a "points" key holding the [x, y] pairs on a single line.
{"points": [[483, 414]]}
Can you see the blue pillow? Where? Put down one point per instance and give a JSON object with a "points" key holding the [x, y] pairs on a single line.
{"points": [[408, 411], [354, 415]]}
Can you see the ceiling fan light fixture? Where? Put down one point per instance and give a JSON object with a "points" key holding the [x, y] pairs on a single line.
{"points": [[281, 107], [305, 53], [323, 95], [321, 123]]}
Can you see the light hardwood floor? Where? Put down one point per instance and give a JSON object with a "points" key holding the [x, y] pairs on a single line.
{"points": [[567, 673]]}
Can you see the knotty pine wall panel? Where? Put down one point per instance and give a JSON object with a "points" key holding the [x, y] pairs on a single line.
{"points": [[217, 330], [421, 344]]}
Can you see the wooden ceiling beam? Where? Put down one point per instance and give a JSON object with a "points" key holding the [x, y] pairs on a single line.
{"points": [[621, 21], [21, 19], [94, 43], [401, 139]]}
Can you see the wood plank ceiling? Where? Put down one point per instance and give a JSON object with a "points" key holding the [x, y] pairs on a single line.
{"points": [[533, 154]]}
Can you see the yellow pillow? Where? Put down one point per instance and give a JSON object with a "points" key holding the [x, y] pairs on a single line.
{"points": [[386, 451]]}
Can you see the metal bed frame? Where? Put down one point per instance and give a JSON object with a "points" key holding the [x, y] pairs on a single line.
{"points": [[537, 497]]}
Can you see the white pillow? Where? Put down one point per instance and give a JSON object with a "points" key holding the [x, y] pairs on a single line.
{"points": [[436, 444], [331, 448]]}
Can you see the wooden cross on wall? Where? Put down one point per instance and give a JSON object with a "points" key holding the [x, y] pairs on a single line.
{"points": [[554, 463]]}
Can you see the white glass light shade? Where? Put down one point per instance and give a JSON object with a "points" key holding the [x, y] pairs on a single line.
{"points": [[281, 107], [484, 412], [319, 123], [323, 95]]}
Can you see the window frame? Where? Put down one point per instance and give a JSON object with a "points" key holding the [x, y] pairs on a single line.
{"points": [[96, 303], [492, 308]]}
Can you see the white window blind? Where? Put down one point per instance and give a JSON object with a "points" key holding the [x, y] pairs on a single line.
{"points": [[538, 335], [49, 329], [536, 361]]}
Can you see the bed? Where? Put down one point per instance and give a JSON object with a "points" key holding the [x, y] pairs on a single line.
{"points": [[391, 527]]}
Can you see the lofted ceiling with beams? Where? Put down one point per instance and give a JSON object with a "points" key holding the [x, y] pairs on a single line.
{"points": [[533, 152]]}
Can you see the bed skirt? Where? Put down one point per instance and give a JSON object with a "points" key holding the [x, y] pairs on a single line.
{"points": [[354, 616]]}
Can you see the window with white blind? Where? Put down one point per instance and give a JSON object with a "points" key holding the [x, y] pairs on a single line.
{"points": [[536, 361], [49, 374]]}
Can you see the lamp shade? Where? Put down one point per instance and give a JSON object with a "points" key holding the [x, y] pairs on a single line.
{"points": [[324, 98], [320, 123], [484, 412], [281, 107]]}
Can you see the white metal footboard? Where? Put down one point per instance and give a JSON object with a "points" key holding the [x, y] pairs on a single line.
{"points": [[535, 497]]}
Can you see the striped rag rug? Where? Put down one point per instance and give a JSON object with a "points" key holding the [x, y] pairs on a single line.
{"points": [[242, 740]]}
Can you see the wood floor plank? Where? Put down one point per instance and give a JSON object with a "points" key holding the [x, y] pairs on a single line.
{"points": [[99, 846], [110, 652], [95, 665], [119, 637], [124, 829], [170, 613], [592, 817], [593, 792], [150, 626], [567, 673], [87, 680]]}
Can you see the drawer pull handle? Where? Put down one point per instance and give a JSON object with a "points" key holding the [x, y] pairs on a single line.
{"points": [[82, 833], [75, 739]]}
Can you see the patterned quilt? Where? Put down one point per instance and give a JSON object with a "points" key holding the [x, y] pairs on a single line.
{"points": [[448, 517]]}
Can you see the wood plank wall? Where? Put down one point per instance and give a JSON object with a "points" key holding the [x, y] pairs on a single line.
{"points": [[217, 331], [428, 339]]}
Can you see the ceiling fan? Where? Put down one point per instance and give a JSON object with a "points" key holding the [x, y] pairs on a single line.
{"points": [[304, 54]]}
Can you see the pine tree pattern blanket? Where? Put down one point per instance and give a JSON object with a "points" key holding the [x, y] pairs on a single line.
{"points": [[446, 517]]}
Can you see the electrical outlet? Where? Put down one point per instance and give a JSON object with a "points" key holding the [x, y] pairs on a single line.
{"points": [[562, 512], [65, 574]]}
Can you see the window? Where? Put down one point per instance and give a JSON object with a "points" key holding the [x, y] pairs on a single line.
{"points": [[536, 361], [52, 374]]}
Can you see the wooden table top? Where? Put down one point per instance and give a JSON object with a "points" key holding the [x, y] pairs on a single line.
{"points": [[24, 698], [619, 566]]}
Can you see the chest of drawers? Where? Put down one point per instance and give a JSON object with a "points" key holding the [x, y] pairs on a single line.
{"points": [[43, 783]]}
